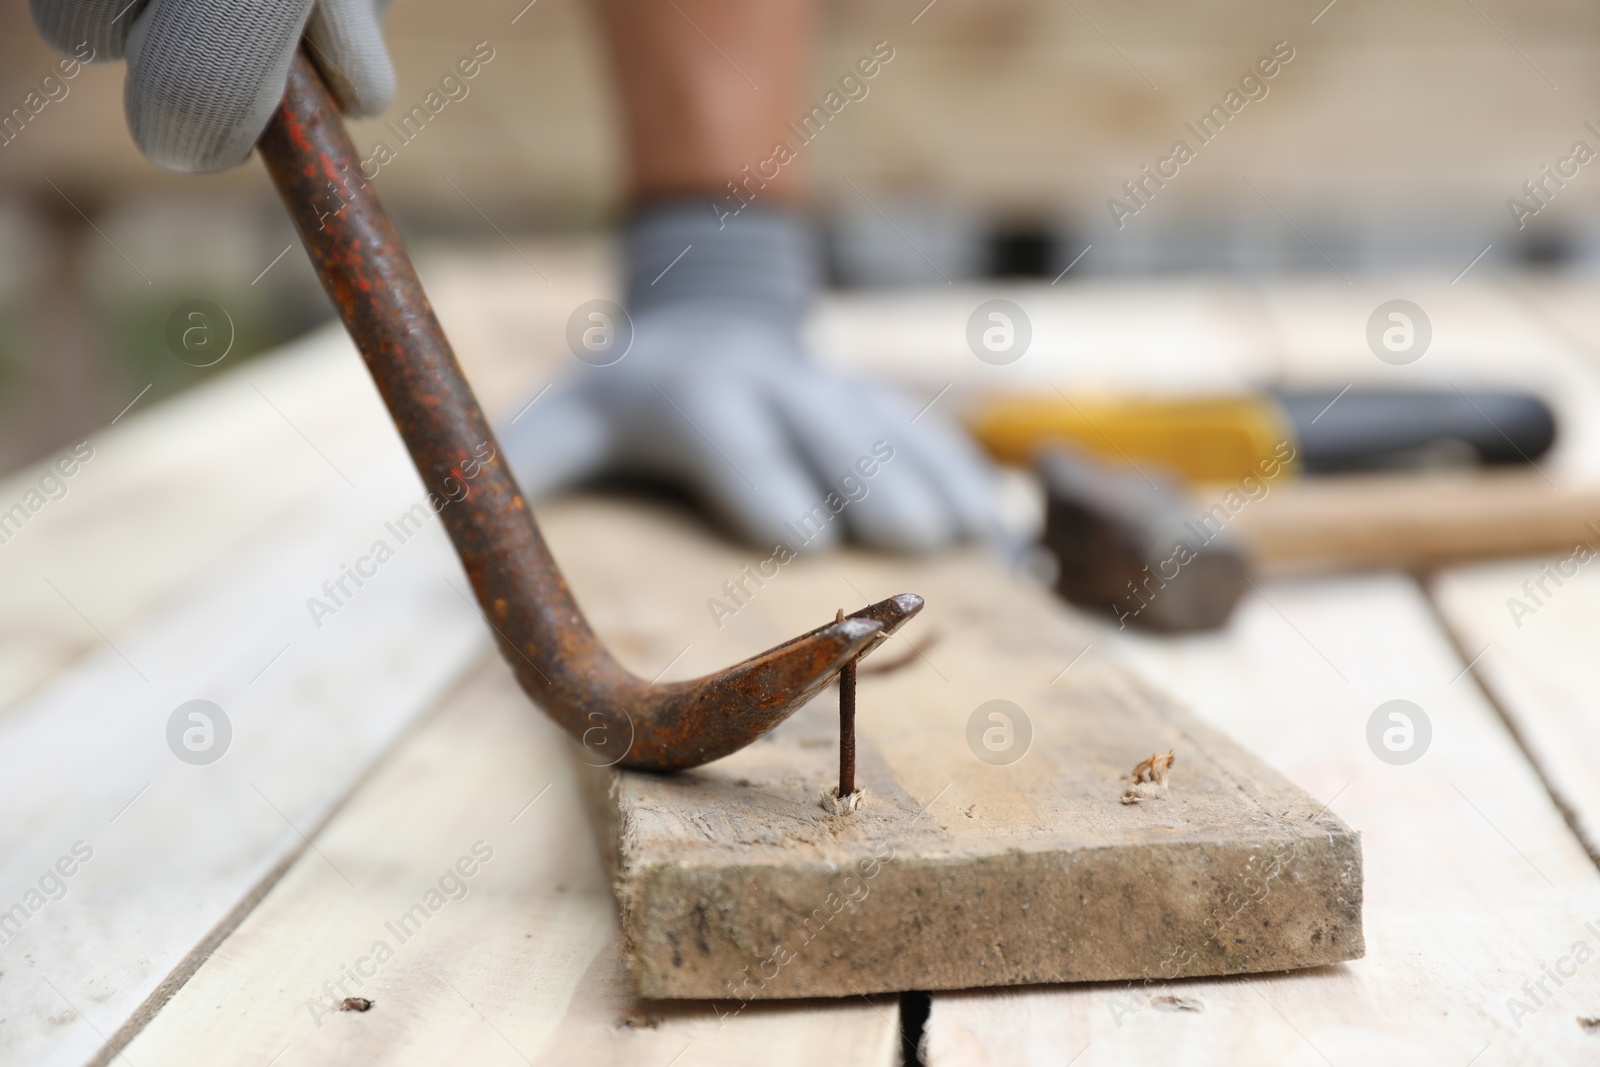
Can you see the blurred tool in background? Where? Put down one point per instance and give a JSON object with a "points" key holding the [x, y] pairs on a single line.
{"points": [[1127, 542], [1226, 438], [1142, 493]]}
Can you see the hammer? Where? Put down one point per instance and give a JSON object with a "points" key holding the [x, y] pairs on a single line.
{"points": [[1129, 542]]}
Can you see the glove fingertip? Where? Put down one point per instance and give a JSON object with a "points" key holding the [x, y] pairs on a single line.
{"points": [[346, 43], [198, 94]]}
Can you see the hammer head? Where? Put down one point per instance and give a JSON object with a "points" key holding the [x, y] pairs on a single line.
{"points": [[1131, 543]]}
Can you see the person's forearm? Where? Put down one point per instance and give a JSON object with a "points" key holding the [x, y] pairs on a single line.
{"points": [[706, 87]]}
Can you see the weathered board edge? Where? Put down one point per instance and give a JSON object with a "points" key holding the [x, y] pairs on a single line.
{"points": [[843, 945], [818, 936]]}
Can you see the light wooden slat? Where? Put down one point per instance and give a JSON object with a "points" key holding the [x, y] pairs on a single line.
{"points": [[1474, 883], [1095, 335], [174, 490], [1533, 618], [179, 849], [521, 969], [206, 521], [1535, 652]]}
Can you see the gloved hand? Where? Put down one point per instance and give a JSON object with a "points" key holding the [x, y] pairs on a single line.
{"points": [[715, 395], [204, 76]]}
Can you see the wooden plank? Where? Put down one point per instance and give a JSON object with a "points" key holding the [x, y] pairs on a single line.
{"points": [[518, 963], [1475, 886], [1533, 644], [1096, 335], [957, 871], [178, 565], [1532, 618], [169, 494], [172, 492], [179, 850]]}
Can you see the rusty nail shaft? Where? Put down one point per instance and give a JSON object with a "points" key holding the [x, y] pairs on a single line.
{"points": [[847, 725]]}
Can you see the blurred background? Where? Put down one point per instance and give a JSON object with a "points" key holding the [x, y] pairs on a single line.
{"points": [[988, 147]]}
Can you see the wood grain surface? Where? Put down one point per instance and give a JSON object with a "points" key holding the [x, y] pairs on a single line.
{"points": [[1475, 885], [1534, 645], [993, 847], [298, 709], [514, 962]]}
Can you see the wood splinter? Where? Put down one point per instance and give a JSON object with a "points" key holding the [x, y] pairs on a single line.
{"points": [[1153, 770]]}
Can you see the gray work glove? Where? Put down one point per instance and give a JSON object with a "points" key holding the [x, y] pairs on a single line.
{"points": [[204, 76], [716, 396]]}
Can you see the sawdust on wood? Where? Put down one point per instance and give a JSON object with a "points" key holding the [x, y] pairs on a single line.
{"points": [[1152, 771], [834, 805]]}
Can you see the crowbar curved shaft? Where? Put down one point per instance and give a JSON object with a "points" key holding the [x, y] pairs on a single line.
{"points": [[539, 628]]}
